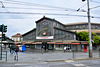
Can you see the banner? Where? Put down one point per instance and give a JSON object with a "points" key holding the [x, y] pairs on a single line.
{"points": [[46, 37]]}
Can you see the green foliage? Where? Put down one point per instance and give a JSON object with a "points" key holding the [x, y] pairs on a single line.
{"points": [[84, 36], [96, 40]]}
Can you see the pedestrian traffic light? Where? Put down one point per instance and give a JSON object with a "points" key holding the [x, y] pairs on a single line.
{"points": [[83, 0], [3, 37], [5, 28], [1, 28]]}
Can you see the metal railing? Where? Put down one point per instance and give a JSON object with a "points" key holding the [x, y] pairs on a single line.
{"points": [[4, 55]]}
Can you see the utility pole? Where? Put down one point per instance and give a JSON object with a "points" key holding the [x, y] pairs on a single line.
{"points": [[89, 27], [89, 24]]}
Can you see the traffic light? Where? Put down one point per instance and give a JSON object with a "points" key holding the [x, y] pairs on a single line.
{"points": [[83, 0], [1, 27], [5, 28], [3, 37]]}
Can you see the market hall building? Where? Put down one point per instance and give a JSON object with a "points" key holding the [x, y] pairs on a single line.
{"points": [[53, 35]]}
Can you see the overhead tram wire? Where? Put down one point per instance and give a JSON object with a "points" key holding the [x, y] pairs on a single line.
{"points": [[3, 6], [45, 14], [35, 8], [95, 7], [78, 9], [39, 5], [95, 1]]}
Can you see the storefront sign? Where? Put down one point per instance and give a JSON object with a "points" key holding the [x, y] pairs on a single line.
{"points": [[46, 37]]}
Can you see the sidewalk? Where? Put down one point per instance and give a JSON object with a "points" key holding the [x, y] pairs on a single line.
{"points": [[32, 57]]}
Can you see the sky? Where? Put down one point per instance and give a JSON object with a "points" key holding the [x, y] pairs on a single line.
{"points": [[64, 11]]}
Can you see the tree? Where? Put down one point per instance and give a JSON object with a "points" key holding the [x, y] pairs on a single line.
{"points": [[96, 40], [82, 36]]}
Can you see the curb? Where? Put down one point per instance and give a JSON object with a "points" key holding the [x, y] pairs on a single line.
{"points": [[73, 60], [1, 61]]}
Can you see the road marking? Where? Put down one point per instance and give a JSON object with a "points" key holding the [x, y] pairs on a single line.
{"points": [[79, 65], [87, 66], [21, 64], [68, 61]]}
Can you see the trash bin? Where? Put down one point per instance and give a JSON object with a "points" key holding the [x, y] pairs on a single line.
{"points": [[23, 48]]}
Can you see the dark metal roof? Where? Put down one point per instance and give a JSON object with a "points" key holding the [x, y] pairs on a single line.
{"points": [[29, 32], [65, 30], [50, 20]]}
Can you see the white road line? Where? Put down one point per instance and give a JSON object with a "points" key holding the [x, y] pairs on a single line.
{"points": [[78, 65], [21, 64], [68, 61]]}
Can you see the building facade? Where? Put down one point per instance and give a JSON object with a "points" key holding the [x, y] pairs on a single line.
{"points": [[52, 32], [57, 35], [83, 26]]}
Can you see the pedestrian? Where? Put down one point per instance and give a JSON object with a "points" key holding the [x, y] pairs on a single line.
{"points": [[65, 49], [16, 49], [11, 49]]}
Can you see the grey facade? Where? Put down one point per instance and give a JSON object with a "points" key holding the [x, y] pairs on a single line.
{"points": [[31, 35], [82, 26], [52, 29]]}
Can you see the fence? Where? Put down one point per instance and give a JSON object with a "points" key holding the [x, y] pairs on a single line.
{"points": [[4, 55]]}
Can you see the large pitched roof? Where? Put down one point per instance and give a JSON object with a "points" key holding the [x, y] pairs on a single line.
{"points": [[49, 19], [29, 31]]}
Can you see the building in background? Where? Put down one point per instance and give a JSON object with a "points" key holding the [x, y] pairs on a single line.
{"points": [[83, 26], [17, 37]]}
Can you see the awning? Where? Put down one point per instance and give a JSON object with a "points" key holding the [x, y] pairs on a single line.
{"points": [[50, 42], [38, 42], [18, 42], [74, 43], [84, 43], [33, 43], [28, 43], [66, 43], [59, 43]]}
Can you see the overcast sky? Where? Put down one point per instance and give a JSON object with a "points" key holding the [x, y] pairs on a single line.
{"points": [[61, 10]]}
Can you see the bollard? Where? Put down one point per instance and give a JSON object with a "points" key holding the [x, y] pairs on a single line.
{"points": [[99, 52], [6, 55], [73, 54]]}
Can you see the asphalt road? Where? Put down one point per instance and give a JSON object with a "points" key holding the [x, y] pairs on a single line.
{"points": [[69, 63]]}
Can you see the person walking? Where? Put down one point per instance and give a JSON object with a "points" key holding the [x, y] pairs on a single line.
{"points": [[11, 49], [65, 49], [16, 49]]}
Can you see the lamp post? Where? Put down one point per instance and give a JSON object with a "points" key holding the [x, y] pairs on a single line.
{"points": [[89, 27]]}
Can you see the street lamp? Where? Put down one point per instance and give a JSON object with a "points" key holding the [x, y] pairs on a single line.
{"points": [[89, 27]]}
